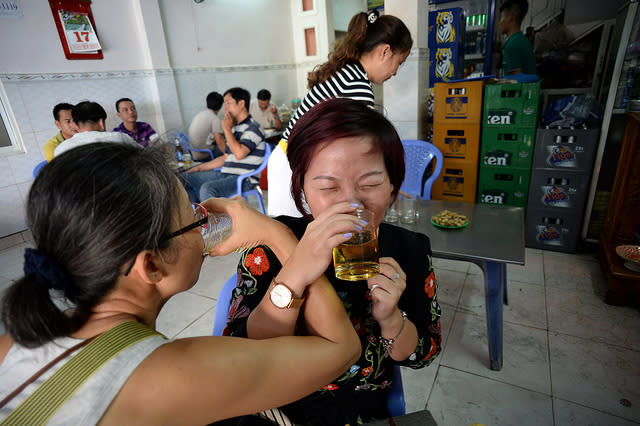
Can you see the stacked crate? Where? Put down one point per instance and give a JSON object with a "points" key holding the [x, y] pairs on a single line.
{"points": [[508, 133], [456, 132], [562, 163]]}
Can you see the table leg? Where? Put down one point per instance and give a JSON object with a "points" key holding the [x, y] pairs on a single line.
{"points": [[495, 278]]}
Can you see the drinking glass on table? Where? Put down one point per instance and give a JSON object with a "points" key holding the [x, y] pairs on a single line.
{"points": [[357, 258]]}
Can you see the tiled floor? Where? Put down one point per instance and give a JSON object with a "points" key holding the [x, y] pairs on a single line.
{"points": [[569, 359]]}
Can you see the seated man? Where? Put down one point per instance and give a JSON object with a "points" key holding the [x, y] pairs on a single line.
{"points": [[518, 56], [245, 152], [205, 128], [140, 131], [265, 113], [89, 117], [64, 122]]}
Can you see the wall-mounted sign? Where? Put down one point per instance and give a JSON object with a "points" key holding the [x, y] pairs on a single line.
{"points": [[76, 29], [10, 9]]}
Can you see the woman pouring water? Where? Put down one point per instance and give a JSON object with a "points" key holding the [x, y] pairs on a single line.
{"points": [[345, 157]]}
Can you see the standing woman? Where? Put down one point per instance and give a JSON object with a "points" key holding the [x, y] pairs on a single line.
{"points": [[371, 51]]}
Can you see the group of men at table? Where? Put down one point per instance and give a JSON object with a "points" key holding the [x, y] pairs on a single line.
{"points": [[237, 140]]}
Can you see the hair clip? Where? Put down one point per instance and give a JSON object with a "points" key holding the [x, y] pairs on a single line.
{"points": [[372, 16]]}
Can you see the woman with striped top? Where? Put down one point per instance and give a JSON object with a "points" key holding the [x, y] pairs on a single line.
{"points": [[371, 51]]}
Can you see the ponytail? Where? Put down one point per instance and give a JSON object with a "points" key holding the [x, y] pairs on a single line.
{"points": [[364, 33]]}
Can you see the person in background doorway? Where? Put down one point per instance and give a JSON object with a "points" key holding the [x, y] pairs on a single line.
{"points": [[371, 51], [139, 131], [265, 112], [205, 128], [64, 122], [518, 56], [90, 117]]}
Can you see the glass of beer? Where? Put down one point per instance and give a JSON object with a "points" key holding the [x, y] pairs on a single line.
{"points": [[357, 259]]}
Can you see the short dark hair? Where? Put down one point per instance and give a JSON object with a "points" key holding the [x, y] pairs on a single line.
{"points": [[60, 107], [87, 111], [91, 231], [214, 101], [338, 118], [239, 94], [518, 8], [122, 100], [264, 95]]}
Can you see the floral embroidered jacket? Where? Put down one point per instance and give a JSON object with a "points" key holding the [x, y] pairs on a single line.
{"points": [[359, 395]]}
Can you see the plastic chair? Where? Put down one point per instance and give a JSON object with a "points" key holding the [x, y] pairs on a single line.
{"points": [[256, 190], [184, 141], [417, 156], [395, 399], [38, 167]]}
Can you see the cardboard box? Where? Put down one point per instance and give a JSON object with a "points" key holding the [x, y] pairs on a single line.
{"points": [[459, 103], [514, 105], [553, 230], [457, 142], [445, 63], [507, 147], [504, 186], [446, 28], [457, 182], [565, 149]]}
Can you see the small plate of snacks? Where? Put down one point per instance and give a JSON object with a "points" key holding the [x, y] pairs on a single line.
{"points": [[449, 220]]}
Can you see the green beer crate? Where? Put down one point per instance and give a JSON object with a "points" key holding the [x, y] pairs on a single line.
{"points": [[504, 186], [507, 147], [511, 105]]}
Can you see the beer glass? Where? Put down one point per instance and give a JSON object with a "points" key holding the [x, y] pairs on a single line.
{"points": [[357, 259]]}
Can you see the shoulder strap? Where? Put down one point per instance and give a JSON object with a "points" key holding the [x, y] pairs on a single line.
{"points": [[42, 404]]}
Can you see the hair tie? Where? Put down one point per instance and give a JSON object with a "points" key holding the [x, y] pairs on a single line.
{"points": [[372, 16], [45, 270]]}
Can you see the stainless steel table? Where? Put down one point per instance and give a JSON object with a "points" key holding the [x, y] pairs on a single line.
{"points": [[493, 238]]}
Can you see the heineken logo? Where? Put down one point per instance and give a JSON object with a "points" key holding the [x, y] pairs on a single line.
{"points": [[501, 117], [497, 158], [493, 197]]}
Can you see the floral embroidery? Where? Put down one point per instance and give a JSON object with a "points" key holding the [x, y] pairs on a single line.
{"points": [[354, 368], [330, 387], [432, 349], [430, 285], [237, 311], [366, 371], [257, 262], [358, 326]]}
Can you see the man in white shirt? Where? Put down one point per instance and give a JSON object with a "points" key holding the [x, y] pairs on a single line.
{"points": [[205, 127], [90, 117], [264, 112]]}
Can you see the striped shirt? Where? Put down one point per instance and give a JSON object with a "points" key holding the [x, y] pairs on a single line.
{"points": [[351, 82], [249, 133]]}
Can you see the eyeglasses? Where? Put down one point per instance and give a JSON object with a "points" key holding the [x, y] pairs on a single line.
{"points": [[202, 220]]}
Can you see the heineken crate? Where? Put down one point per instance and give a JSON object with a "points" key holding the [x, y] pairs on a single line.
{"points": [[459, 102], [513, 105], [457, 182], [566, 149], [457, 141], [507, 147], [553, 230], [500, 185], [558, 190]]}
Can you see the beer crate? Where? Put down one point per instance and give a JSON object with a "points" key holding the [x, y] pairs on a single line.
{"points": [[514, 105], [505, 186], [446, 28], [565, 149], [457, 142], [445, 63], [558, 190], [457, 182], [507, 147], [555, 230], [459, 102]]}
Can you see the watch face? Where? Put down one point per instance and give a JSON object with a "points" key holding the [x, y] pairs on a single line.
{"points": [[280, 296]]}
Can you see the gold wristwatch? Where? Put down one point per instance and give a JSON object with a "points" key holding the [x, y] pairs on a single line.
{"points": [[282, 296]]}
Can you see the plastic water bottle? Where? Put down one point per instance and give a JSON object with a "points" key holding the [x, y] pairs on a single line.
{"points": [[179, 150]]}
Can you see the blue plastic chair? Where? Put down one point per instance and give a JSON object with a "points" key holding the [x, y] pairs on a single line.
{"points": [[256, 191], [395, 399], [37, 168], [184, 141], [417, 156]]}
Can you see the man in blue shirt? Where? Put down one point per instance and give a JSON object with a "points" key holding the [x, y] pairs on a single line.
{"points": [[518, 54], [245, 152]]}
